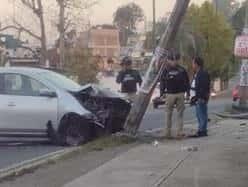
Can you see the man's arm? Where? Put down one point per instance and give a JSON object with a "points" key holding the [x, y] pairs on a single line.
{"points": [[139, 79], [187, 83], [162, 84], [119, 77]]}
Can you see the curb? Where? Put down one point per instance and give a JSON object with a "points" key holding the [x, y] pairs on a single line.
{"points": [[233, 116], [25, 166]]}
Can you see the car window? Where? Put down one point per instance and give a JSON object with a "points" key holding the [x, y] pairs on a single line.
{"points": [[60, 81], [16, 84], [37, 86], [13, 84]]}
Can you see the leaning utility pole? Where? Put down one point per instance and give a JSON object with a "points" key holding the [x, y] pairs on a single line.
{"points": [[152, 75]]}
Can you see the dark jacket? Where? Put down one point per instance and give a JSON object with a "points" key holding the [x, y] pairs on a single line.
{"points": [[174, 80], [202, 85], [129, 80]]}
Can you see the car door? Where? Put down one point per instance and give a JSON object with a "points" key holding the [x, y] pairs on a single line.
{"points": [[22, 107]]}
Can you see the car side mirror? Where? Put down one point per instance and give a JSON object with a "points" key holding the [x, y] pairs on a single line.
{"points": [[47, 93]]}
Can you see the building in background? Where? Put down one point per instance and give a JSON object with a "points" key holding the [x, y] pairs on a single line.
{"points": [[103, 40]]}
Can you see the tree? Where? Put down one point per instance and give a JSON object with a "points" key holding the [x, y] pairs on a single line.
{"points": [[218, 36], [80, 62], [36, 7], [126, 19], [202, 33], [65, 7]]}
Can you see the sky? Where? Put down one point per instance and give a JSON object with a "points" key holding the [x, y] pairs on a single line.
{"points": [[103, 11]]}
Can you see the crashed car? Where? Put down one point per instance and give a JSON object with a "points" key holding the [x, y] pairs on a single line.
{"points": [[38, 103]]}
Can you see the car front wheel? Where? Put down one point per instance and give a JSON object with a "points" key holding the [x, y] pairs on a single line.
{"points": [[76, 130]]}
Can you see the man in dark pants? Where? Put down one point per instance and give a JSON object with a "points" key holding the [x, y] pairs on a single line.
{"points": [[128, 78], [175, 81], [200, 92]]}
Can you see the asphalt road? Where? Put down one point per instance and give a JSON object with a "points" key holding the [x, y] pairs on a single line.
{"points": [[13, 154], [158, 115], [155, 118]]}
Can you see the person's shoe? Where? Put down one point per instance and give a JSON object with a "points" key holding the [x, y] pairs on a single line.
{"points": [[180, 136], [199, 135]]}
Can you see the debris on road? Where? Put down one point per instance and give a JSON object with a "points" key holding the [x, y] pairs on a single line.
{"points": [[155, 143], [190, 148]]}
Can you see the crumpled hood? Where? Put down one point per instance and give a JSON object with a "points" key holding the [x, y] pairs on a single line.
{"points": [[98, 91]]}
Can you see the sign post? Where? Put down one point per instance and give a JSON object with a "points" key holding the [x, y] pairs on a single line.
{"points": [[241, 51]]}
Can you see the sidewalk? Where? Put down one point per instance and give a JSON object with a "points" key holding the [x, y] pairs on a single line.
{"points": [[221, 160]]}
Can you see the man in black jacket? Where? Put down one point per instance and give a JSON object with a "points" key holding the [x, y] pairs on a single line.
{"points": [[128, 78], [175, 81], [200, 92]]}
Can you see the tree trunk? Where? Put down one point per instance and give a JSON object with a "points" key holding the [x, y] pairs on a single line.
{"points": [[43, 35], [62, 33], [152, 75]]}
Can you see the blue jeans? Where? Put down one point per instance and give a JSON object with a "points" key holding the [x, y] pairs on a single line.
{"points": [[202, 115]]}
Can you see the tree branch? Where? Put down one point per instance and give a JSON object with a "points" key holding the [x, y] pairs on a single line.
{"points": [[68, 24], [29, 4], [32, 5], [28, 31], [20, 28]]}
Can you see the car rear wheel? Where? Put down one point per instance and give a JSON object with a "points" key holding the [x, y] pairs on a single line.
{"points": [[76, 130]]}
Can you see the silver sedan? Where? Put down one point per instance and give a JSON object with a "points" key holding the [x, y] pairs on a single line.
{"points": [[40, 103]]}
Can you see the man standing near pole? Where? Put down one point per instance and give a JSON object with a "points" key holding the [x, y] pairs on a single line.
{"points": [[200, 93], [175, 81], [128, 78]]}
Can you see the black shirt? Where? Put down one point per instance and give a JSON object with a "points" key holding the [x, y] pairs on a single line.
{"points": [[129, 80], [202, 85], [174, 80]]}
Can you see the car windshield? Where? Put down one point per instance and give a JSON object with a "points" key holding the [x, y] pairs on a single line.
{"points": [[60, 81]]}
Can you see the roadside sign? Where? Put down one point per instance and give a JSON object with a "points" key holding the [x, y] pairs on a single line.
{"points": [[241, 46], [244, 74]]}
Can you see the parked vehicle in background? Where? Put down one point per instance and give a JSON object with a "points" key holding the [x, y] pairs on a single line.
{"points": [[38, 103], [235, 93]]}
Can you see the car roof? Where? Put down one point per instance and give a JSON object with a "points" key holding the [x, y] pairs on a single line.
{"points": [[24, 70]]}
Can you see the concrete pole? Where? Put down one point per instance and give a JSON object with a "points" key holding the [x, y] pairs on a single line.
{"points": [[244, 74]]}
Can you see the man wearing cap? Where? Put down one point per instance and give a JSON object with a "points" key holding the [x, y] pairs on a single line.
{"points": [[129, 78], [175, 81]]}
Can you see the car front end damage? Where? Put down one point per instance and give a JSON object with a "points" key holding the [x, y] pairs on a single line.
{"points": [[109, 109]]}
